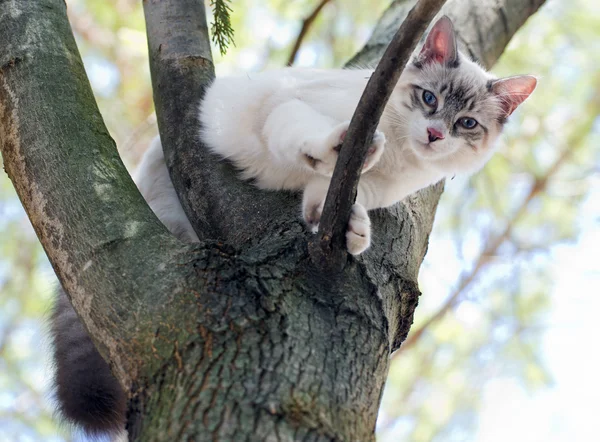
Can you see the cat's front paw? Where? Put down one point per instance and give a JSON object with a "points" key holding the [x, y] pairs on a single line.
{"points": [[375, 151], [322, 156], [312, 215], [358, 235]]}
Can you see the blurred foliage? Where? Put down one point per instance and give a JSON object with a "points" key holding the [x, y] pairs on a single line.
{"points": [[25, 289], [489, 274]]}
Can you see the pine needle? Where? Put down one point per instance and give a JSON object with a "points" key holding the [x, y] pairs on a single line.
{"points": [[222, 32]]}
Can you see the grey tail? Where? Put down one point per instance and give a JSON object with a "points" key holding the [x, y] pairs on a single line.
{"points": [[87, 394]]}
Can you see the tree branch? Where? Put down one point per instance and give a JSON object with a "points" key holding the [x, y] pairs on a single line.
{"points": [[306, 24], [329, 248], [181, 67], [87, 212]]}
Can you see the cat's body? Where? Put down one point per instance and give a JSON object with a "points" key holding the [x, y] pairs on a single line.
{"points": [[283, 128], [271, 148]]}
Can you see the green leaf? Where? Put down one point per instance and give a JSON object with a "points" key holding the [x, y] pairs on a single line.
{"points": [[222, 32]]}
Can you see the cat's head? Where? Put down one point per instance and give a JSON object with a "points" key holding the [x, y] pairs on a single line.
{"points": [[450, 108]]}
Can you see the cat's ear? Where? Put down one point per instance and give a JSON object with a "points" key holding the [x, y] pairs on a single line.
{"points": [[512, 91], [440, 45]]}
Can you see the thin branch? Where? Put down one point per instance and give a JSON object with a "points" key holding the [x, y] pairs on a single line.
{"points": [[306, 24], [328, 249]]}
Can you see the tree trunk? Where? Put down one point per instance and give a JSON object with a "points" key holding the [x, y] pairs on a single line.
{"points": [[240, 337]]}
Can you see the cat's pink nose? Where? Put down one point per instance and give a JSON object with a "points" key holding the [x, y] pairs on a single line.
{"points": [[434, 134]]}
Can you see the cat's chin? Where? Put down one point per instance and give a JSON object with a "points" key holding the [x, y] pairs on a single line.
{"points": [[427, 151]]}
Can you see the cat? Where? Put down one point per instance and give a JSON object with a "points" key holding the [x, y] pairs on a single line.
{"points": [[283, 129]]}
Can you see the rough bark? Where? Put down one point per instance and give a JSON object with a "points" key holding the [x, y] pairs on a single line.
{"points": [[87, 213], [239, 337]]}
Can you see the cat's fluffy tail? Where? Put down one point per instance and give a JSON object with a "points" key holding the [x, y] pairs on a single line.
{"points": [[87, 393]]}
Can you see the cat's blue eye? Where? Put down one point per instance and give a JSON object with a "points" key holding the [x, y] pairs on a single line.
{"points": [[429, 99], [468, 123]]}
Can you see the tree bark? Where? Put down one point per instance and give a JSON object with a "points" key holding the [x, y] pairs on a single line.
{"points": [[239, 337]]}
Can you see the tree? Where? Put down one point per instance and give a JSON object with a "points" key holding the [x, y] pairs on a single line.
{"points": [[242, 334]]}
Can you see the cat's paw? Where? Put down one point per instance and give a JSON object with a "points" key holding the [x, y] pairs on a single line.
{"points": [[358, 235], [313, 200], [375, 151], [312, 215], [322, 156]]}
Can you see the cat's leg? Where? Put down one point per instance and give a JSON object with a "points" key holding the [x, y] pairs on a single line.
{"points": [[358, 233], [155, 185], [313, 199], [297, 133]]}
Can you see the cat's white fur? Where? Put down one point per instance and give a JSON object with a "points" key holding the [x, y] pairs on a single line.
{"points": [[281, 128], [154, 182]]}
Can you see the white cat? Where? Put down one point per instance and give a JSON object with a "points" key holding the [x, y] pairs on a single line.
{"points": [[283, 129]]}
